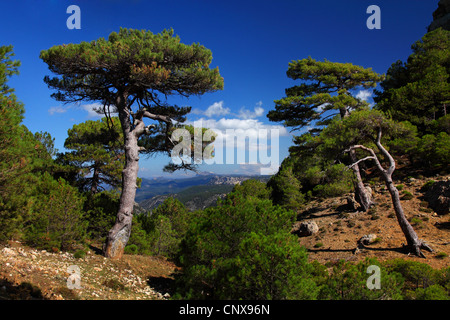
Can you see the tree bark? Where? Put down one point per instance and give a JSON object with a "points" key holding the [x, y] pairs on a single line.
{"points": [[119, 235], [362, 195], [95, 178]]}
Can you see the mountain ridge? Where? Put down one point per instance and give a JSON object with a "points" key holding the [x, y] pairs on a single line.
{"points": [[196, 193]]}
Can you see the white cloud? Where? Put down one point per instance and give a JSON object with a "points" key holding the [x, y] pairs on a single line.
{"points": [[216, 109], [92, 113], [364, 95], [58, 109], [257, 112], [247, 114], [257, 169], [90, 108], [252, 125]]}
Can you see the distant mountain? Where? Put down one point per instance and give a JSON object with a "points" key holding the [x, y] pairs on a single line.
{"points": [[195, 193]]}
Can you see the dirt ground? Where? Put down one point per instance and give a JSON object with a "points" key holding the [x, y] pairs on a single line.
{"points": [[340, 229]]}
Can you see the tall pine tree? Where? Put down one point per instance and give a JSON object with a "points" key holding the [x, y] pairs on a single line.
{"points": [[327, 89], [133, 72]]}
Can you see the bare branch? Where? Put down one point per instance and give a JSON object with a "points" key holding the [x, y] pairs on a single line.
{"points": [[361, 160], [373, 156], [158, 117], [385, 153]]}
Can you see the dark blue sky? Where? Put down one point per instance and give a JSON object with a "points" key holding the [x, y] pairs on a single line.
{"points": [[252, 43]]}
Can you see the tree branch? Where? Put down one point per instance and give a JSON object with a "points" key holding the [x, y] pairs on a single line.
{"points": [[385, 153], [373, 157], [361, 160]]}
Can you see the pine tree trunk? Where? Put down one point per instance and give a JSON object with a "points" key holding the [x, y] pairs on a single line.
{"points": [[413, 241], [362, 195], [120, 233], [95, 178]]}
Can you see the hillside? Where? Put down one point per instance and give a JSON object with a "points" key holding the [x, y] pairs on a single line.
{"points": [[27, 273], [195, 193], [194, 198], [341, 228]]}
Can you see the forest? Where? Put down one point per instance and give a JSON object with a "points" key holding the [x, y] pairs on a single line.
{"points": [[243, 247]]}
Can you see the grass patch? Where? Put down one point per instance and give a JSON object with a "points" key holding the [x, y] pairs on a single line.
{"points": [[114, 284], [407, 195], [441, 255]]}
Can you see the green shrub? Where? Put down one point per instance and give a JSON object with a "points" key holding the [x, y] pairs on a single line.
{"points": [[243, 249], [399, 187], [441, 255], [407, 195], [427, 186], [338, 182], [131, 249], [433, 292], [416, 221], [101, 211], [285, 189], [416, 274], [253, 188], [348, 281], [161, 232], [79, 254], [57, 220], [434, 150]]}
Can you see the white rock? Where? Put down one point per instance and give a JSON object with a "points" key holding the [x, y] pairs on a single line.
{"points": [[9, 252]]}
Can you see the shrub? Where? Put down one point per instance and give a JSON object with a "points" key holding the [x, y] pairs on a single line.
{"points": [[433, 292], [161, 232], [416, 221], [58, 220], [348, 281], [79, 254], [427, 186], [441, 255], [101, 210], [407, 195], [243, 249], [286, 189], [253, 188], [416, 274], [338, 182], [131, 249], [434, 150]]}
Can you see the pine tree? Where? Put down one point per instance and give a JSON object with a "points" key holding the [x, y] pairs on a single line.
{"points": [[133, 72], [326, 90], [418, 90], [363, 131], [97, 154]]}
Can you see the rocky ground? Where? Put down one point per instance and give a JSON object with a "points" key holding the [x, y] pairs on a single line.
{"points": [[339, 229], [26, 273]]}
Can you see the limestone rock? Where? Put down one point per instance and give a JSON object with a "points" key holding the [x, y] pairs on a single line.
{"points": [[305, 228], [367, 239], [9, 252]]}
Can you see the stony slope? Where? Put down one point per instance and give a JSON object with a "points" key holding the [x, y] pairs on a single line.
{"points": [[341, 228], [26, 273]]}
